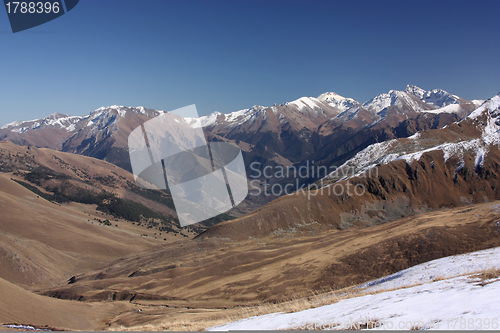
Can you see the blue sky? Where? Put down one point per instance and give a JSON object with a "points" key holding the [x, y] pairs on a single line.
{"points": [[229, 55]]}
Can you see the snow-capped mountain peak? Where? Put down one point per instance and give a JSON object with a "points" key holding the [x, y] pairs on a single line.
{"points": [[16, 124], [335, 100], [306, 102], [416, 91], [122, 110], [332, 96], [416, 99], [437, 97], [486, 118], [111, 107], [401, 99]]}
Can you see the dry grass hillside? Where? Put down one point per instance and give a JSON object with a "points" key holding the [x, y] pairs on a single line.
{"points": [[69, 261], [43, 243], [398, 189], [66, 178], [19, 306], [207, 276]]}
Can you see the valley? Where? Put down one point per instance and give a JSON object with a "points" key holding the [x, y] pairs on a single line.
{"points": [[78, 233]]}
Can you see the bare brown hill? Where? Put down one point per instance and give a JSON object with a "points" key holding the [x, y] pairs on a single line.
{"points": [[18, 306], [215, 273], [63, 214], [64, 177], [43, 243], [49, 233]]}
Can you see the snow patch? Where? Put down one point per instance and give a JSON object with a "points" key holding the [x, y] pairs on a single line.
{"points": [[335, 100], [477, 102], [203, 121], [415, 136], [305, 102], [452, 108], [440, 294]]}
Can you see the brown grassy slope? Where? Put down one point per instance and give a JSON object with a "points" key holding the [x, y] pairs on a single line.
{"points": [[18, 306], [393, 190], [44, 243], [81, 174], [217, 273], [399, 190], [85, 172]]}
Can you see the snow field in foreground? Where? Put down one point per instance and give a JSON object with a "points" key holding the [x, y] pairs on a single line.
{"points": [[446, 293]]}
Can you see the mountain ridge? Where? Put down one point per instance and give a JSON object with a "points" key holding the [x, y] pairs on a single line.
{"points": [[341, 102], [329, 129], [444, 167]]}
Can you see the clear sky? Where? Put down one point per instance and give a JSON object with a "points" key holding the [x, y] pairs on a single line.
{"points": [[229, 55]]}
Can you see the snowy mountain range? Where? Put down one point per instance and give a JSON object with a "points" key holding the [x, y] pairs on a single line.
{"points": [[328, 129], [414, 99], [403, 170]]}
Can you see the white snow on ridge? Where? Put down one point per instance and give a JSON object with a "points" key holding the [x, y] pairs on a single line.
{"points": [[122, 110], [104, 108], [304, 102], [415, 136], [393, 97], [442, 101], [440, 98], [20, 130], [440, 294], [203, 121], [450, 150], [234, 118], [492, 106], [335, 100], [381, 153], [451, 108], [17, 123], [332, 96], [54, 120], [478, 102], [366, 160], [240, 117], [448, 267], [236, 114], [437, 97], [417, 91]]}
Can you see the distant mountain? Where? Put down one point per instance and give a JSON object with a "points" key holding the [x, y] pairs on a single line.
{"points": [[102, 134], [329, 129], [452, 166], [437, 97]]}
